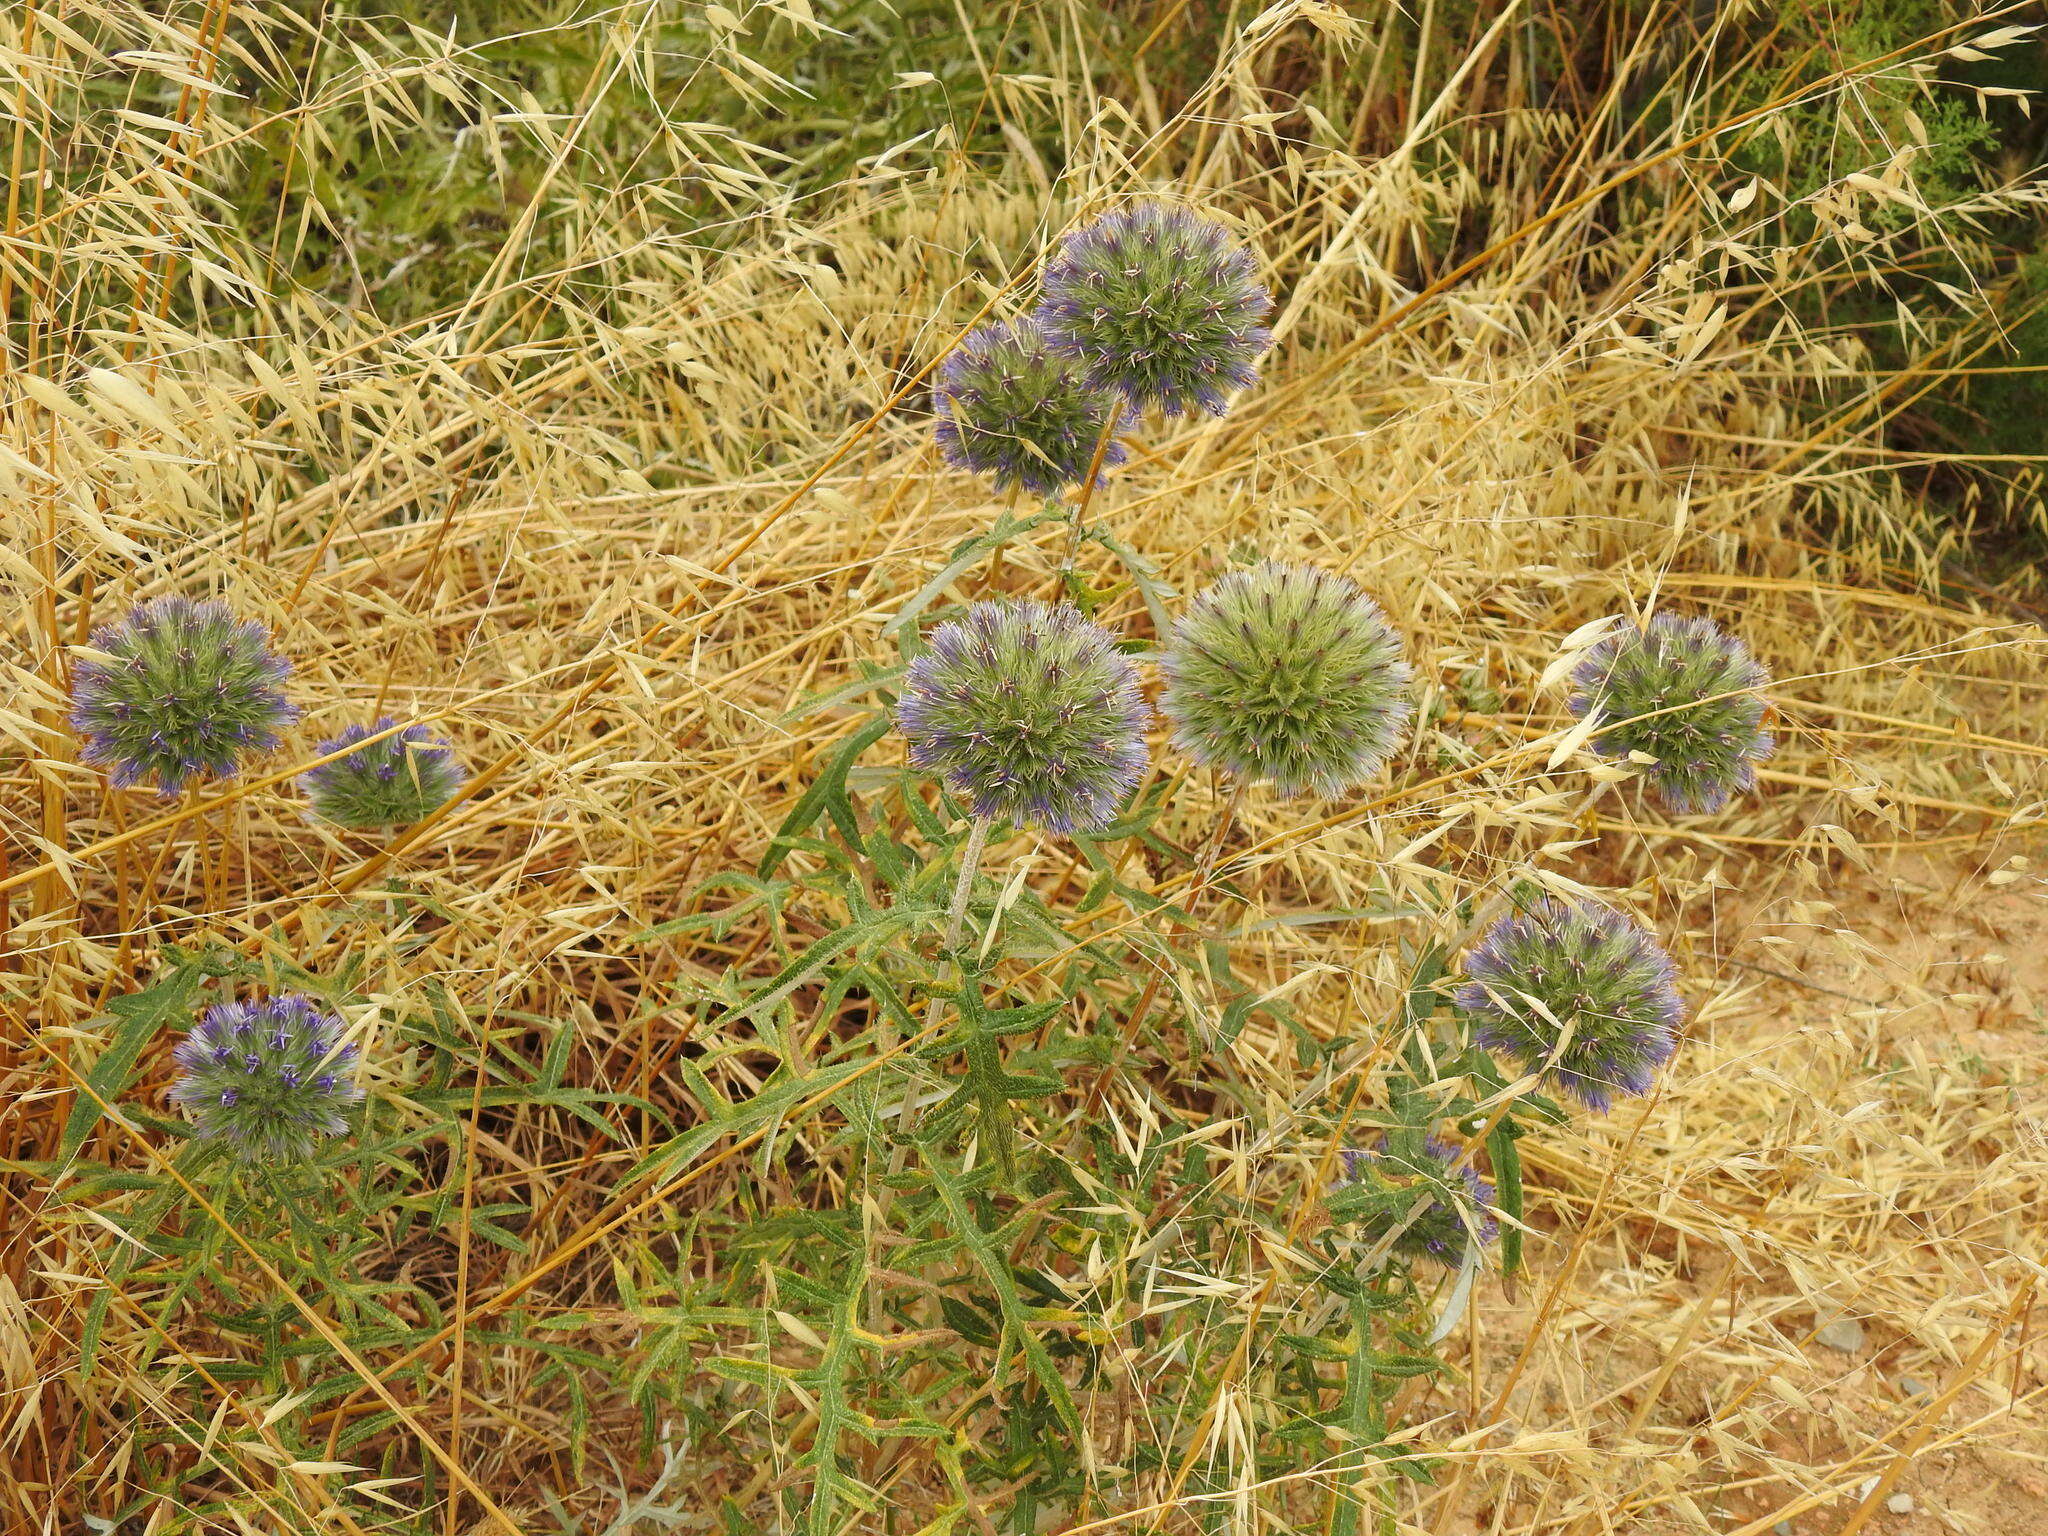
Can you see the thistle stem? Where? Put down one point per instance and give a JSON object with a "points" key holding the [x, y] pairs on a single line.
{"points": [[935, 1012], [970, 865]]}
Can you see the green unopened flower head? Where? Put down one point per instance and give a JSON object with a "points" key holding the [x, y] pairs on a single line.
{"points": [[180, 690], [1454, 1205], [395, 782], [1706, 752], [1030, 712], [1287, 674], [1577, 991], [1161, 304], [1024, 415]]}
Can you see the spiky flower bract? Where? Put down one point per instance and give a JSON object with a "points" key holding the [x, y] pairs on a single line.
{"points": [[1015, 410], [1457, 1209], [1705, 753], [1029, 712], [1287, 674], [184, 689], [272, 1077], [1582, 974], [1161, 304], [394, 782]]}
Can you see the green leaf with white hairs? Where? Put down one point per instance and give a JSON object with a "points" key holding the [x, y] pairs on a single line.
{"points": [[135, 1019], [996, 1268], [827, 796], [967, 554]]}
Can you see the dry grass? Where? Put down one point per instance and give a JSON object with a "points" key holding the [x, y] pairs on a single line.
{"points": [[612, 546]]}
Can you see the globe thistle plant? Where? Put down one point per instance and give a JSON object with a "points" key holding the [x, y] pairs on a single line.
{"points": [[1577, 991], [1287, 674], [1457, 1210], [1160, 304], [1705, 752], [180, 689], [1015, 410], [403, 778], [1029, 712], [272, 1077]]}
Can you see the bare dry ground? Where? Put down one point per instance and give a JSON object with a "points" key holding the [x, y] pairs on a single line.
{"points": [[1859, 1111]]}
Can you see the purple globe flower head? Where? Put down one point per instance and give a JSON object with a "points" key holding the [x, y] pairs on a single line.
{"points": [[1013, 409], [1706, 752], [1160, 304], [1287, 674], [1030, 713], [181, 690], [394, 782], [1457, 1212], [1577, 991], [271, 1077]]}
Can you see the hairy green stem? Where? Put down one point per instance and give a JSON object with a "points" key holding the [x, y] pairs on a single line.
{"points": [[970, 865], [935, 1013]]}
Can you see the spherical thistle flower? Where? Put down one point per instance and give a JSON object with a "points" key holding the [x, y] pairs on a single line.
{"points": [[1030, 713], [1456, 1212], [272, 1077], [1287, 674], [394, 782], [1161, 304], [1706, 752], [1012, 408], [1578, 991], [179, 689]]}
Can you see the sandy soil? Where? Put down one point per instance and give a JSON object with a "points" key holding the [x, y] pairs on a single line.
{"points": [[1882, 1066]]}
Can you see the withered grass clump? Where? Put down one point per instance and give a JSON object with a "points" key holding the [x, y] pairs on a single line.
{"points": [[634, 1228]]}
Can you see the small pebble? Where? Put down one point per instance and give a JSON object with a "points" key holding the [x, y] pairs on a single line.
{"points": [[1782, 1528], [1900, 1503], [1912, 1386], [1844, 1333]]}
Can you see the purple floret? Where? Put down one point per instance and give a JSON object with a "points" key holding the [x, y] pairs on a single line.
{"points": [[1707, 750], [271, 1076], [1030, 713], [185, 691], [398, 780], [1160, 304], [1015, 410], [1590, 967]]}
